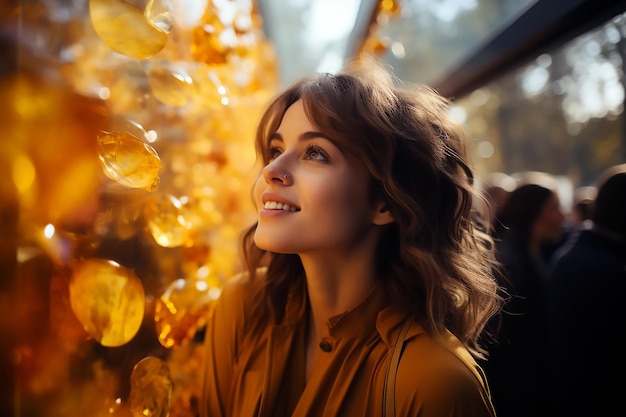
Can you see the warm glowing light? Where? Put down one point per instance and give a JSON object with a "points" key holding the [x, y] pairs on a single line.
{"points": [[104, 93], [214, 293], [203, 272], [23, 173], [151, 136], [48, 231], [202, 285]]}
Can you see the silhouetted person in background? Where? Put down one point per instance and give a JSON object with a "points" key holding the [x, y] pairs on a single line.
{"points": [[496, 189], [516, 367], [582, 208], [586, 316], [579, 217]]}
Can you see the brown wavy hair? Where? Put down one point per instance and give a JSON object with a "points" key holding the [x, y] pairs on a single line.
{"points": [[436, 263]]}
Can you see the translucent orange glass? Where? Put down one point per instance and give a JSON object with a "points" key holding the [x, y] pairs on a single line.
{"points": [[180, 311], [129, 161], [150, 388], [165, 216], [132, 30], [108, 300]]}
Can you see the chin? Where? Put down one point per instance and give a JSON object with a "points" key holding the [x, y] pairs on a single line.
{"points": [[269, 244]]}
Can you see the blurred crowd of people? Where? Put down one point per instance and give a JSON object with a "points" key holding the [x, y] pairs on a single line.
{"points": [[558, 348]]}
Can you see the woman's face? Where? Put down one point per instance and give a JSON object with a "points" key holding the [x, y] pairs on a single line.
{"points": [[310, 197], [548, 226]]}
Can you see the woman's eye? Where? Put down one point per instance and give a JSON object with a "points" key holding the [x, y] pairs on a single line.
{"points": [[316, 153], [273, 153]]}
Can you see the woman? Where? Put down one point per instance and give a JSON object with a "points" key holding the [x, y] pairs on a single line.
{"points": [[530, 219], [364, 225]]}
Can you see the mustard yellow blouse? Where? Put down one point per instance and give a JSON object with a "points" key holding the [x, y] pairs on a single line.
{"points": [[246, 376]]}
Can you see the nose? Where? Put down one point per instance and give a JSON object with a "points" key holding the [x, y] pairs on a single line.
{"points": [[276, 173]]}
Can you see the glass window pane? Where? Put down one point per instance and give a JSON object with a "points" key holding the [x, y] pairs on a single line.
{"points": [[561, 113], [430, 37]]}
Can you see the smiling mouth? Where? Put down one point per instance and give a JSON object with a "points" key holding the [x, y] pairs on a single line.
{"points": [[274, 205]]}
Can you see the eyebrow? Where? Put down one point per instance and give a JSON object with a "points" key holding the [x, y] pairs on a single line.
{"points": [[304, 136]]}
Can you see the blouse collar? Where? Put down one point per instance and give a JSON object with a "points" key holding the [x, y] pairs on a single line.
{"points": [[373, 313]]}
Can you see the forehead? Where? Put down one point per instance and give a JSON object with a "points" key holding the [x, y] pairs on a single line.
{"points": [[295, 119], [295, 122]]}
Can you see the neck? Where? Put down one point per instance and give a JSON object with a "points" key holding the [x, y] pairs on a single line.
{"points": [[337, 281], [335, 289]]}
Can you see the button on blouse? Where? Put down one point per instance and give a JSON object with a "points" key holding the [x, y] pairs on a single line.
{"points": [[326, 346]]}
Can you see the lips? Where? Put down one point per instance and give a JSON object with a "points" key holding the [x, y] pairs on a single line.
{"points": [[276, 205], [275, 202]]}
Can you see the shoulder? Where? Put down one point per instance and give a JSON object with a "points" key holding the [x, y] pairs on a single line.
{"points": [[242, 286], [238, 296], [438, 376], [427, 356], [590, 253]]}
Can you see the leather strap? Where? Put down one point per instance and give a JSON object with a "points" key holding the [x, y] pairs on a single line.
{"points": [[389, 392]]}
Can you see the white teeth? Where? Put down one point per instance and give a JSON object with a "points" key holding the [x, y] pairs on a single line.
{"points": [[273, 205]]}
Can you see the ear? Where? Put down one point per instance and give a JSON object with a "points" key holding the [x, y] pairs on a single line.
{"points": [[382, 216]]}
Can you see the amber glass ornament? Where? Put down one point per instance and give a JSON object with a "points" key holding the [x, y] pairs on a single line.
{"points": [[150, 388], [206, 46], [128, 160], [181, 310], [167, 222], [225, 29], [169, 84], [108, 299], [133, 28]]}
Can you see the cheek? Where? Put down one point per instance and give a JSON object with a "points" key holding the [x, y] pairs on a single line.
{"points": [[352, 205], [257, 191], [552, 224], [558, 221], [555, 217]]}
